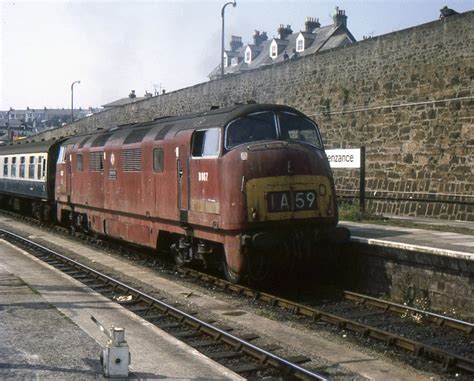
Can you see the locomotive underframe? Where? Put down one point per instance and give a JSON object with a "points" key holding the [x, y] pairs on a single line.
{"points": [[253, 251]]}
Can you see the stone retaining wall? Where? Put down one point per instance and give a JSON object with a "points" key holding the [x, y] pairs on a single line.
{"points": [[439, 282]]}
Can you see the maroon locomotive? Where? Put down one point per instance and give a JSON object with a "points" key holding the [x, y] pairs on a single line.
{"points": [[244, 184]]}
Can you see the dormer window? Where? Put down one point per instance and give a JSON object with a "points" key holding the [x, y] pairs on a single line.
{"points": [[225, 60], [248, 55], [273, 49], [300, 43]]}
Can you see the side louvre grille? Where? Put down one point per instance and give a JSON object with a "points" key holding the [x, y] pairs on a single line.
{"points": [[132, 160]]}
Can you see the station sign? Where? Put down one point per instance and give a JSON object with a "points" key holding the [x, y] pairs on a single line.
{"points": [[344, 158]]}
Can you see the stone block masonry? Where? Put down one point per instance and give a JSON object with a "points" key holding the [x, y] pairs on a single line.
{"points": [[406, 96], [441, 283]]}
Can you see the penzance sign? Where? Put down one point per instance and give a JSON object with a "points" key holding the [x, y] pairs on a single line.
{"points": [[344, 158], [350, 158]]}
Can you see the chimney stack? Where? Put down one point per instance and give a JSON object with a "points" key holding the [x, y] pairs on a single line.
{"points": [[339, 17], [311, 24], [132, 94], [284, 32], [258, 37], [235, 43]]}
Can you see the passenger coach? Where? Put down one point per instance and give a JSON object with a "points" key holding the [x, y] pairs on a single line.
{"points": [[27, 177]]}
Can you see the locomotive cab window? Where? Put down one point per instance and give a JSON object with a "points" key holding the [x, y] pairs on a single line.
{"points": [[206, 143], [62, 155], [294, 127], [251, 128]]}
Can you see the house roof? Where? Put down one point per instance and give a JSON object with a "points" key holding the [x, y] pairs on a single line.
{"points": [[322, 38]]}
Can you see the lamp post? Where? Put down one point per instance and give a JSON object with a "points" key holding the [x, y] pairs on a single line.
{"points": [[72, 99], [233, 3]]}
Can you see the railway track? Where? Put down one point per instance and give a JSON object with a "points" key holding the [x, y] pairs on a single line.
{"points": [[449, 360], [236, 353]]}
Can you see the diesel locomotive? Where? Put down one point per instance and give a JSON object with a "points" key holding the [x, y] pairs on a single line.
{"points": [[245, 187]]}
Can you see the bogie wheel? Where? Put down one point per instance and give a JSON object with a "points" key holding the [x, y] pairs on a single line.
{"points": [[178, 256], [231, 275]]}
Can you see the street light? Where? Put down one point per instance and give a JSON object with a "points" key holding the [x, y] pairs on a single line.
{"points": [[233, 3], [72, 99]]}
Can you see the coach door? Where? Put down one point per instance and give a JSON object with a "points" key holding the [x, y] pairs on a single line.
{"points": [[182, 175]]}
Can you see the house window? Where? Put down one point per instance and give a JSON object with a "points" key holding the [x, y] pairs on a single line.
{"points": [[22, 167], [79, 164], [31, 168], [225, 60], [5, 167], [273, 50], [13, 167], [158, 163], [300, 45], [248, 56]]}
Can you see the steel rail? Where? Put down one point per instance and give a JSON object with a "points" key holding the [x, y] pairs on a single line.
{"points": [[263, 356], [419, 349], [401, 309]]}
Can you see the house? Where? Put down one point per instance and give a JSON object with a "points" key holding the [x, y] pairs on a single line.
{"points": [[288, 45], [25, 122]]}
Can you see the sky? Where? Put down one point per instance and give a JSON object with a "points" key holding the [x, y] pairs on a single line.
{"points": [[113, 47]]}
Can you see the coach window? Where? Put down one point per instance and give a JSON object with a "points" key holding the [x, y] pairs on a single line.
{"points": [[31, 167], [13, 167], [5, 167], [79, 162], [38, 167], [206, 143], [22, 166], [158, 159], [43, 169]]}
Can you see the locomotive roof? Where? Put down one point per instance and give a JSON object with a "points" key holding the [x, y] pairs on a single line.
{"points": [[28, 147], [169, 126]]}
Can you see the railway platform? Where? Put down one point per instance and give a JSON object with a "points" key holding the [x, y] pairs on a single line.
{"points": [[47, 332], [414, 264], [436, 242]]}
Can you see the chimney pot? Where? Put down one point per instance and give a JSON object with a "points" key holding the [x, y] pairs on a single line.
{"points": [[339, 17], [258, 37], [284, 32], [311, 24], [235, 43]]}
